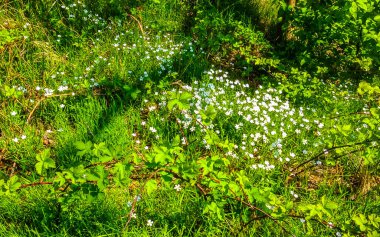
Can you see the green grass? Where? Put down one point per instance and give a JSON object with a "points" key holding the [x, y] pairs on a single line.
{"points": [[113, 85]]}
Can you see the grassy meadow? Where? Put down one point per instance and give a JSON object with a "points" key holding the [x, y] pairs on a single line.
{"points": [[189, 118]]}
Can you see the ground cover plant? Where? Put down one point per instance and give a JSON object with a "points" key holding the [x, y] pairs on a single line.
{"points": [[189, 118]]}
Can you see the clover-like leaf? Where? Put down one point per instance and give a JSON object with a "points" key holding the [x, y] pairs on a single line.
{"points": [[44, 161]]}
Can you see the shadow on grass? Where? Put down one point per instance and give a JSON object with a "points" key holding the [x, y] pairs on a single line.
{"points": [[40, 210]]}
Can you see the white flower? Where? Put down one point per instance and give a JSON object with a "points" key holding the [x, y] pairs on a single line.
{"points": [[149, 223], [13, 113], [177, 187], [62, 88], [15, 139], [62, 106], [302, 220], [23, 137], [133, 215], [48, 92]]}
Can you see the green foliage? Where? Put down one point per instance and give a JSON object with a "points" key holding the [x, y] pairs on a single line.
{"points": [[340, 35], [110, 126], [44, 162], [231, 41]]}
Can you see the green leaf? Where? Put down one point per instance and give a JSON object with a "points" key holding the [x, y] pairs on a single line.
{"points": [[331, 205], [102, 152], [151, 186], [100, 175], [172, 103], [131, 91], [84, 148], [375, 112], [44, 161], [39, 167], [377, 18], [361, 221], [12, 185], [59, 178], [185, 96]]}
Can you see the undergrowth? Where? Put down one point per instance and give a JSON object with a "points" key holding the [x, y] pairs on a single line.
{"points": [[188, 118]]}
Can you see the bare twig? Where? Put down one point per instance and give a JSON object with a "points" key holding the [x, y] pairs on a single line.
{"points": [[327, 150], [35, 184], [337, 157], [263, 212]]}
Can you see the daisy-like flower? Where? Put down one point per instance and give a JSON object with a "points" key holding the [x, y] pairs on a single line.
{"points": [[15, 139], [13, 113], [23, 137], [177, 187], [149, 223]]}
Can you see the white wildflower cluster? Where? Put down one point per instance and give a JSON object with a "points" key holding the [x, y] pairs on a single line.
{"points": [[78, 10], [263, 123]]}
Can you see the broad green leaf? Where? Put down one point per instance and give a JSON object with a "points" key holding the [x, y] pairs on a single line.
{"points": [[39, 167], [375, 112], [44, 161], [172, 103], [151, 186], [12, 185], [43, 155], [361, 221], [84, 148], [185, 96]]}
